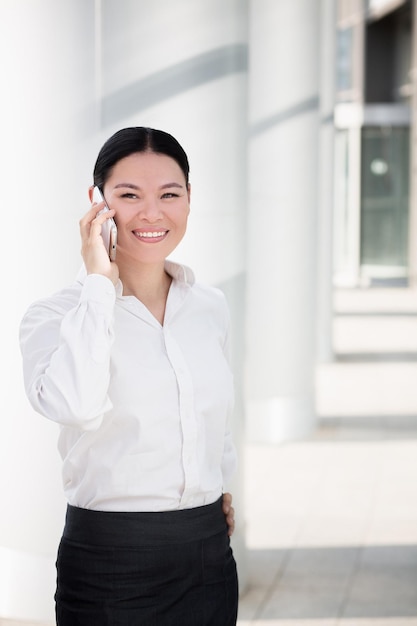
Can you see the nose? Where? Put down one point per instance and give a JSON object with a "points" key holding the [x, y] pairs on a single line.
{"points": [[150, 210]]}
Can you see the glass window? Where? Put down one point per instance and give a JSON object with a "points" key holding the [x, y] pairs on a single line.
{"points": [[384, 196]]}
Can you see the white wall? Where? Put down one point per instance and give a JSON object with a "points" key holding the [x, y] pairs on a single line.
{"points": [[209, 118]]}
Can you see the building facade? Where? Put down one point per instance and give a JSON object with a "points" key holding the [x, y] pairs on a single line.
{"points": [[375, 87]]}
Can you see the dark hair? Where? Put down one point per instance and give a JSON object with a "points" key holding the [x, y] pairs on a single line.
{"points": [[137, 139]]}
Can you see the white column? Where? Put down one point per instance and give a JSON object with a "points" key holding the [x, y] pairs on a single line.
{"points": [[283, 154], [182, 67], [325, 263], [47, 64]]}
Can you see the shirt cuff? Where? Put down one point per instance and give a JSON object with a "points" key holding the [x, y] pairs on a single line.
{"points": [[98, 289]]}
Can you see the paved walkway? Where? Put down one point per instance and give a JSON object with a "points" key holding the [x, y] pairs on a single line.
{"points": [[332, 522]]}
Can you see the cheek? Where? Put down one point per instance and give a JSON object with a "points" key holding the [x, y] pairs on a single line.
{"points": [[123, 217], [182, 225], [186, 216]]}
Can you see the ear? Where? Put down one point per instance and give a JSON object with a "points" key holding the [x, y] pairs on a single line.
{"points": [[189, 192], [90, 192]]}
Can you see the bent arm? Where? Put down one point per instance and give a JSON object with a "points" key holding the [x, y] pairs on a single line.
{"points": [[66, 355]]}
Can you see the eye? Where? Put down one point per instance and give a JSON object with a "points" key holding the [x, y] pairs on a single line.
{"points": [[129, 194], [170, 194]]}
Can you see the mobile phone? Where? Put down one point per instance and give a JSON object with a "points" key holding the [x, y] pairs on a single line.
{"points": [[109, 228]]}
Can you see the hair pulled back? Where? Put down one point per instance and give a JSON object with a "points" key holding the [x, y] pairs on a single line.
{"points": [[137, 139]]}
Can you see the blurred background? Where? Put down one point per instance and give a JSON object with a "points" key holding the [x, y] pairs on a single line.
{"points": [[299, 120]]}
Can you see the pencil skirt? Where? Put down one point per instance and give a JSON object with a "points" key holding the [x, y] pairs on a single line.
{"points": [[174, 568]]}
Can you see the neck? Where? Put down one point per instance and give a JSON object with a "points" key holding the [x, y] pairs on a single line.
{"points": [[148, 283]]}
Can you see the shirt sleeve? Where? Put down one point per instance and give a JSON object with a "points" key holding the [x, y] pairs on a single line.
{"points": [[66, 355], [229, 459]]}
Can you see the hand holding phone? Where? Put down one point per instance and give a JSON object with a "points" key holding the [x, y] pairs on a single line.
{"points": [[109, 228]]}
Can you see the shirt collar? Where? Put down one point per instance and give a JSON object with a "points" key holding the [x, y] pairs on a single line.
{"points": [[180, 273]]}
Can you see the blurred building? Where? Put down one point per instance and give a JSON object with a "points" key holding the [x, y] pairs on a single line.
{"points": [[374, 180]]}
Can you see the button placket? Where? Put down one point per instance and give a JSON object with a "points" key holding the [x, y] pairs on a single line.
{"points": [[187, 416]]}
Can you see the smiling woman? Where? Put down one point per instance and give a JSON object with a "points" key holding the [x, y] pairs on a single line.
{"points": [[150, 198], [132, 362]]}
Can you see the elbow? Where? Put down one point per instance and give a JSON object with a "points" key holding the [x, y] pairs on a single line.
{"points": [[67, 412]]}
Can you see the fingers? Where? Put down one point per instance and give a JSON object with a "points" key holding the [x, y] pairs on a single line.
{"points": [[229, 512], [92, 213], [91, 223], [94, 219], [227, 502], [230, 519], [95, 255]]}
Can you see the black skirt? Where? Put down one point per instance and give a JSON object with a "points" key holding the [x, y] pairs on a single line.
{"points": [[174, 568]]}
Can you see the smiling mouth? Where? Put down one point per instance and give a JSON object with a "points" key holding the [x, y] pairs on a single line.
{"points": [[150, 234]]}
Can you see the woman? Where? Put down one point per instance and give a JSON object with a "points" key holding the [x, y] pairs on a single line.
{"points": [[131, 361]]}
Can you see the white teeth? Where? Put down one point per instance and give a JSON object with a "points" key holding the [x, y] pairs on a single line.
{"points": [[151, 234]]}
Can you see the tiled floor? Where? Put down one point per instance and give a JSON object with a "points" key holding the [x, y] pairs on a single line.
{"points": [[332, 521], [335, 538]]}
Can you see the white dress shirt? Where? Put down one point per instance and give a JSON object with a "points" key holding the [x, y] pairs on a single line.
{"points": [[144, 409]]}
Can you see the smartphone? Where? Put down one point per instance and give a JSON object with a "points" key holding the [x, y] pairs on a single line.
{"points": [[109, 228]]}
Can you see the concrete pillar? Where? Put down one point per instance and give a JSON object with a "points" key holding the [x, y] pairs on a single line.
{"points": [[325, 264], [45, 113], [283, 174], [182, 67]]}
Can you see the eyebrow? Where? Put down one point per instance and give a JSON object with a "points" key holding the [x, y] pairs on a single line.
{"points": [[164, 186]]}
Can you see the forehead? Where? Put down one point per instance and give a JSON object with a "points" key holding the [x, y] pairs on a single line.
{"points": [[149, 166]]}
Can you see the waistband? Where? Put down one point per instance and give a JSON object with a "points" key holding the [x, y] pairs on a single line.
{"points": [[127, 529]]}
